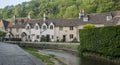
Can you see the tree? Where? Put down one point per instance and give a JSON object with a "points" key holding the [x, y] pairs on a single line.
{"points": [[71, 12], [59, 8]]}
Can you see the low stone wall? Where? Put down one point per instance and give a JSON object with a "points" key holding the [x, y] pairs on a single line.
{"points": [[69, 47]]}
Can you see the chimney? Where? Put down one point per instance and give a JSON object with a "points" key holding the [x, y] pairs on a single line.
{"points": [[45, 17], [14, 17], [109, 17], [82, 13], [85, 18], [29, 16]]}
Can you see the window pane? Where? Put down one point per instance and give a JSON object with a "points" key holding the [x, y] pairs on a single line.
{"points": [[51, 27], [44, 27], [36, 27], [71, 36], [71, 27]]}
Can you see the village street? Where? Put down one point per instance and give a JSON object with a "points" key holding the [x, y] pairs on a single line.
{"points": [[13, 55]]}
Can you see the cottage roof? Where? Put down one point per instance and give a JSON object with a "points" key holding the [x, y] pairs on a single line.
{"points": [[92, 19], [5, 23]]}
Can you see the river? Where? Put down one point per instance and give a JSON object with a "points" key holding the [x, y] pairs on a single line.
{"points": [[70, 59]]}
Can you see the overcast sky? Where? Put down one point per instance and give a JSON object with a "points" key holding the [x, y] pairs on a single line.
{"points": [[4, 3]]}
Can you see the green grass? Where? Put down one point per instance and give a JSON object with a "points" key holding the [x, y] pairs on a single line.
{"points": [[46, 59]]}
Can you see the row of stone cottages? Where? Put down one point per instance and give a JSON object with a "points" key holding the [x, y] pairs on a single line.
{"points": [[55, 29]]}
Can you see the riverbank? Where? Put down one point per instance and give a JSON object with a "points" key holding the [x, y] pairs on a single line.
{"points": [[68, 47], [47, 59], [115, 61], [65, 57]]}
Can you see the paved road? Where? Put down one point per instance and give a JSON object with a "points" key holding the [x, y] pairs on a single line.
{"points": [[13, 55]]}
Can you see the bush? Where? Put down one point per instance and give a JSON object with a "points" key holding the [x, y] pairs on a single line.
{"points": [[74, 40], [12, 39], [89, 26], [43, 39], [2, 34], [104, 41]]}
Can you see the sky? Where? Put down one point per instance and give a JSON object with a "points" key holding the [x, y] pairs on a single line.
{"points": [[4, 3]]}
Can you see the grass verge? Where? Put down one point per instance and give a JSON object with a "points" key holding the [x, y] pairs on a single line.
{"points": [[46, 59]]}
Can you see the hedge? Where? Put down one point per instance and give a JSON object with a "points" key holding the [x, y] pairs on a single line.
{"points": [[104, 41]]}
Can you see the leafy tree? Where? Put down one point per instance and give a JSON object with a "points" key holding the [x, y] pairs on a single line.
{"points": [[59, 8], [71, 12]]}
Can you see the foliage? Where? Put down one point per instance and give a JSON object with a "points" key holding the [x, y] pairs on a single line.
{"points": [[89, 26], [43, 39], [59, 8], [104, 41], [74, 40], [2, 34], [12, 39]]}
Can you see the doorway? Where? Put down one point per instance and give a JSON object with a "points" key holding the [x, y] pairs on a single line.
{"points": [[64, 38], [48, 38]]}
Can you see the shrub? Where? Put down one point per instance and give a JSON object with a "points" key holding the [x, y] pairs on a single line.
{"points": [[2, 34], [89, 26], [43, 39], [12, 39], [104, 40], [74, 40]]}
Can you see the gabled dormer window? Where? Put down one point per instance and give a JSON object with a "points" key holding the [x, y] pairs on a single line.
{"points": [[27, 27], [108, 18], [44, 27], [51, 27], [36, 27], [85, 19]]}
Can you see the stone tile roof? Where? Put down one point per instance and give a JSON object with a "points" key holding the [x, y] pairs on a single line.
{"points": [[5, 23], [92, 19]]}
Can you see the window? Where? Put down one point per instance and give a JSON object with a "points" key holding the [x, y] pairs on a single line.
{"points": [[28, 36], [36, 27], [52, 36], [71, 27], [51, 27], [71, 36], [37, 36], [85, 19], [44, 27], [60, 28], [108, 18], [28, 27], [17, 36]]}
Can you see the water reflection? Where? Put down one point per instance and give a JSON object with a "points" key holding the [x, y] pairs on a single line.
{"points": [[91, 61]]}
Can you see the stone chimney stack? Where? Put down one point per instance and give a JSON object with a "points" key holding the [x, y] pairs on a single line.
{"points": [[82, 13], [45, 16], [14, 17], [29, 16]]}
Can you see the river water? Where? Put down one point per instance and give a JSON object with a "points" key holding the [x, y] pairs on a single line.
{"points": [[70, 59]]}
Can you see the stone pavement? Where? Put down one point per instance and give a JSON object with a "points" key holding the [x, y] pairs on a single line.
{"points": [[13, 55]]}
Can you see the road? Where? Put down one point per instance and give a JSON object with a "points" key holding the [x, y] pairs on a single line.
{"points": [[13, 55]]}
